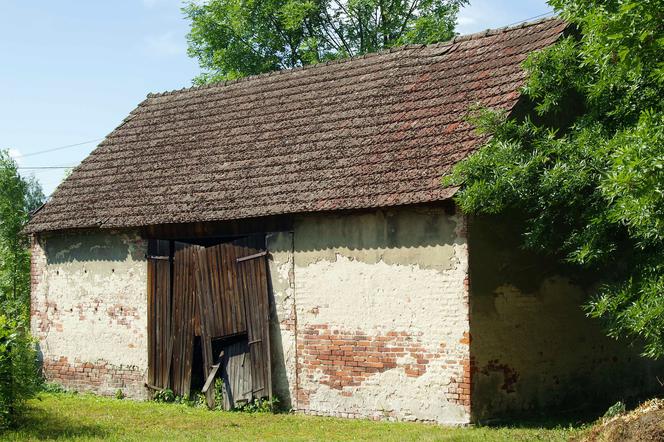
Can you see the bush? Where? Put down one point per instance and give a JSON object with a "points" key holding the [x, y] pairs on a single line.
{"points": [[19, 378], [262, 405], [53, 387], [164, 396]]}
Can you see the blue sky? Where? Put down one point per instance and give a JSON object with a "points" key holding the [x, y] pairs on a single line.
{"points": [[72, 70]]}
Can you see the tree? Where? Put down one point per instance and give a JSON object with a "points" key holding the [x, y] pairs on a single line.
{"points": [[18, 364], [235, 38], [18, 197], [586, 168]]}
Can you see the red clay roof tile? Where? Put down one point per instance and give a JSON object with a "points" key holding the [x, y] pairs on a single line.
{"points": [[374, 131]]}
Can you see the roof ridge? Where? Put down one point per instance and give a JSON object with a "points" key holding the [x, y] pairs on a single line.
{"points": [[406, 47]]}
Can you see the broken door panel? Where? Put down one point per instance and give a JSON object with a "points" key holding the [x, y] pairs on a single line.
{"points": [[236, 375], [219, 293]]}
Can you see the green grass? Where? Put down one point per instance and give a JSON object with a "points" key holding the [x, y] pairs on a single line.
{"points": [[87, 417]]}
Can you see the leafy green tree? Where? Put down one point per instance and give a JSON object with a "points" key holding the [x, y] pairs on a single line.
{"points": [[586, 168], [18, 364], [235, 38], [18, 196], [19, 378]]}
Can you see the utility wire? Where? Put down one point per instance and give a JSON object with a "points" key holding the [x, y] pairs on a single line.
{"points": [[59, 148], [67, 146], [531, 18], [45, 167]]}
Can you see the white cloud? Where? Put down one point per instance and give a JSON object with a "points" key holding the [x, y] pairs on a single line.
{"points": [[167, 44], [16, 155], [466, 20]]}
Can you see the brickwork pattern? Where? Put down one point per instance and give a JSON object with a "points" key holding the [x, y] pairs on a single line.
{"points": [[98, 377]]}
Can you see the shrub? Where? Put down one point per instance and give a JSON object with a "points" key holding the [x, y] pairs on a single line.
{"points": [[53, 387], [262, 405], [615, 410], [18, 369], [164, 396]]}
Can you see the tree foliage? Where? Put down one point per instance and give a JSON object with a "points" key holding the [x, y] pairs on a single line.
{"points": [[587, 167], [235, 38], [18, 364], [18, 369], [18, 196]]}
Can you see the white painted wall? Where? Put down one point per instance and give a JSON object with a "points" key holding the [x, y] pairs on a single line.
{"points": [[89, 303], [381, 274]]}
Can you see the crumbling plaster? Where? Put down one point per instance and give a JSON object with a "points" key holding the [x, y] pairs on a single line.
{"points": [[533, 346], [282, 317], [376, 275], [89, 306]]}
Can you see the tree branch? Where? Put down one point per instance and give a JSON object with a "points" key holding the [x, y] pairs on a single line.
{"points": [[410, 13], [339, 33]]}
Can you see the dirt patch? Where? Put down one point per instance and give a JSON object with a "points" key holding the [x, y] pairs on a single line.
{"points": [[645, 423]]}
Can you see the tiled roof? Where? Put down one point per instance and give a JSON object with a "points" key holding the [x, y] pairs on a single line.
{"points": [[374, 131]]}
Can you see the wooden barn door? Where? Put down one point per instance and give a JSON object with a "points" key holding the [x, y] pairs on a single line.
{"points": [[233, 301], [252, 281], [220, 293]]}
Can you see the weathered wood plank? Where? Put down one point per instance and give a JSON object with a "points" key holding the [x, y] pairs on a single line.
{"points": [[252, 281], [184, 303], [158, 313]]}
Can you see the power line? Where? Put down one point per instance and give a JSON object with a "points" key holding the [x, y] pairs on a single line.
{"points": [[531, 18], [44, 167], [60, 148]]}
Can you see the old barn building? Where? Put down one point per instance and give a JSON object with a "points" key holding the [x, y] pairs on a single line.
{"points": [[288, 233]]}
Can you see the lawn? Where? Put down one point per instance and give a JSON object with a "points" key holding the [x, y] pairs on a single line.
{"points": [[87, 417]]}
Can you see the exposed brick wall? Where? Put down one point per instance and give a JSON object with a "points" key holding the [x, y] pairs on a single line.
{"points": [[99, 377], [348, 358], [371, 325], [37, 266]]}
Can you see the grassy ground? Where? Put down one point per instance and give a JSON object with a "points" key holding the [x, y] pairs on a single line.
{"points": [[87, 417]]}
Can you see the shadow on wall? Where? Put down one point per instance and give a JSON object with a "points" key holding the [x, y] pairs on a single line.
{"points": [[532, 345], [407, 227], [85, 246], [413, 235]]}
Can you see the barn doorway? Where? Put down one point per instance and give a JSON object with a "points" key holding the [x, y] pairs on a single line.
{"points": [[208, 319]]}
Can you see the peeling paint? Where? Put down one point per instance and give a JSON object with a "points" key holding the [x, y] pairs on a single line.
{"points": [[89, 296], [533, 346], [369, 280]]}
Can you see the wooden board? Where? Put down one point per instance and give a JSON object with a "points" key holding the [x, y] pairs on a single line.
{"points": [[236, 375], [216, 274], [183, 318], [159, 313], [252, 281]]}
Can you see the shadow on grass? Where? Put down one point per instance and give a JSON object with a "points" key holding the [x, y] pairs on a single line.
{"points": [[577, 418], [39, 424]]}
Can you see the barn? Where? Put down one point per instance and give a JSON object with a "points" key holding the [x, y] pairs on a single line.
{"points": [[287, 236]]}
